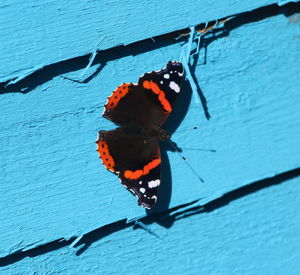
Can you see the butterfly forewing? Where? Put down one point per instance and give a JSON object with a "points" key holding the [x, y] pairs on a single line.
{"points": [[137, 105]]}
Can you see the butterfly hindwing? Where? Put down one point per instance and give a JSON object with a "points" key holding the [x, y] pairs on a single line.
{"points": [[138, 168]]}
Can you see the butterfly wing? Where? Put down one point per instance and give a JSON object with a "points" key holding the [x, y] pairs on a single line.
{"points": [[144, 188], [137, 163], [165, 83], [135, 159], [148, 102]]}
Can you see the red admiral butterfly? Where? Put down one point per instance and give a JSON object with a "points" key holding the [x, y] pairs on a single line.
{"points": [[132, 150]]}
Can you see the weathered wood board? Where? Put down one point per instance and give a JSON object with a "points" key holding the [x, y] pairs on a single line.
{"points": [[38, 33], [53, 185], [253, 234]]}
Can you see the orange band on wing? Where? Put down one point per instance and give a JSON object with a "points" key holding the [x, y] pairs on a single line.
{"points": [[150, 85], [117, 95], [105, 156], [133, 175]]}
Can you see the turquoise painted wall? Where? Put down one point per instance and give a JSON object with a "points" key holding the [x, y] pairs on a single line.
{"points": [[62, 212]]}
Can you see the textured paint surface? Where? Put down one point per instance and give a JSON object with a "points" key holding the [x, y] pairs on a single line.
{"points": [[255, 234], [38, 33], [54, 186]]}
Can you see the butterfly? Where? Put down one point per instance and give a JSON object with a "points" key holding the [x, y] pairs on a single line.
{"points": [[132, 150]]}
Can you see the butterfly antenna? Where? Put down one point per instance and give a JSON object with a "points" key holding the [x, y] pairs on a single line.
{"points": [[189, 128], [185, 160], [195, 149], [200, 149]]}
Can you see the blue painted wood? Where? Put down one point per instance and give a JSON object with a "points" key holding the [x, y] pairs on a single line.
{"points": [[53, 183], [38, 33], [254, 234]]}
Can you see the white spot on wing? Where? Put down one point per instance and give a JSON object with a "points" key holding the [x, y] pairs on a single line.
{"points": [[174, 86], [154, 197], [166, 76], [181, 74], [143, 190], [153, 183], [161, 82]]}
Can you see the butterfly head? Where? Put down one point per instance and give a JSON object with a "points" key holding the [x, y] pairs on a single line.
{"points": [[163, 135]]}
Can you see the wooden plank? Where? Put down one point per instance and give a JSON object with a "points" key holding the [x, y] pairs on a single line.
{"points": [[38, 33], [53, 184], [253, 234]]}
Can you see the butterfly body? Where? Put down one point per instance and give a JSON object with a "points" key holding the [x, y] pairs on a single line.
{"points": [[132, 150]]}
